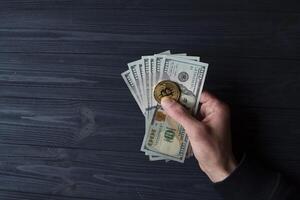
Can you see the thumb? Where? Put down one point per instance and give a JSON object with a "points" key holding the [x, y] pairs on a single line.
{"points": [[178, 113]]}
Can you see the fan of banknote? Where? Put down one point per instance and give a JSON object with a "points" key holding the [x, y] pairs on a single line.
{"points": [[151, 78]]}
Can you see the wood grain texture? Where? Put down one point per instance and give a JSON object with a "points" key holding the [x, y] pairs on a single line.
{"points": [[101, 174], [213, 5], [69, 128], [12, 195]]}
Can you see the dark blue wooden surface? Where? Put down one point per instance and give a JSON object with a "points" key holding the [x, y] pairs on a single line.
{"points": [[69, 128]]}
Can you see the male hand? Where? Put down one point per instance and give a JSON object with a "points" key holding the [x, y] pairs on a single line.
{"points": [[210, 137]]}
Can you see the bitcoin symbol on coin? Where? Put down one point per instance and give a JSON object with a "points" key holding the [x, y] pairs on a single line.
{"points": [[166, 89]]}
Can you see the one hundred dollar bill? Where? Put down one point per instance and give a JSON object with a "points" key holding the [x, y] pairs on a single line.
{"points": [[147, 80], [137, 79], [129, 80], [165, 137]]}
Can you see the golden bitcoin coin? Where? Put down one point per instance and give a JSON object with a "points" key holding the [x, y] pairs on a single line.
{"points": [[166, 89]]}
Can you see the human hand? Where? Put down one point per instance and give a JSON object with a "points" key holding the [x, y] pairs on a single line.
{"points": [[210, 137]]}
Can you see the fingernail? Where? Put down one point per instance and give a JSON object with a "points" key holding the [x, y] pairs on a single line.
{"points": [[166, 101]]}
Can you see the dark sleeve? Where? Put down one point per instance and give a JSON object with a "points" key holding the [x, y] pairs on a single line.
{"points": [[251, 181]]}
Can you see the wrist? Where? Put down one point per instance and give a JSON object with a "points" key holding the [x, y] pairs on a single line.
{"points": [[221, 172]]}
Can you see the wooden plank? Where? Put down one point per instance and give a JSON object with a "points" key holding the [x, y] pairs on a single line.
{"points": [[136, 32], [15, 195], [71, 124], [213, 5]]}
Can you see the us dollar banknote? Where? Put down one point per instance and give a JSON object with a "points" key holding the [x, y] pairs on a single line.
{"points": [[164, 139], [129, 80], [164, 136]]}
